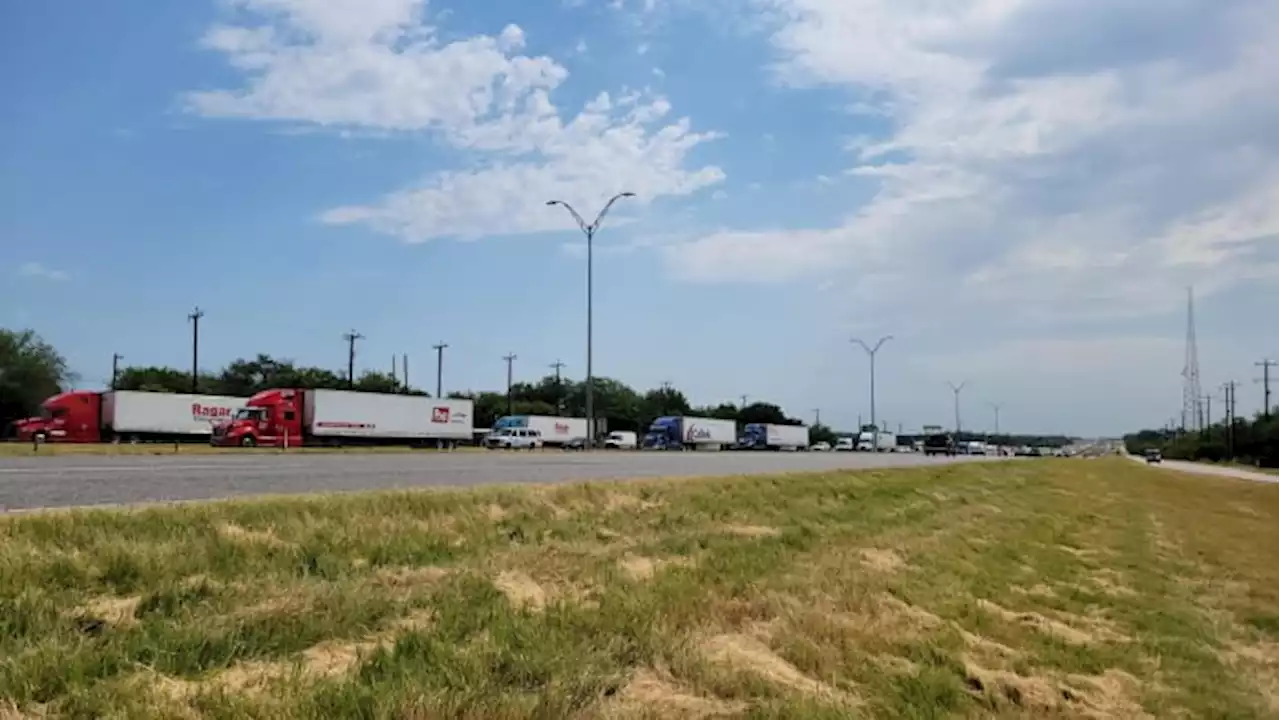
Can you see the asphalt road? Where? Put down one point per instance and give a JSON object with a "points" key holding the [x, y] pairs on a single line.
{"points": [[65, 481]]}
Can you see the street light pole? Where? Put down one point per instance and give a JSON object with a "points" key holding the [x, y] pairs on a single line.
{"points": [[871, 353], [439, 348], [589, 229], [995, 407], [956, 390]]}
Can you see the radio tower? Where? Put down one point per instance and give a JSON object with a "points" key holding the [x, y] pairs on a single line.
{"points": [[1191, 415]]}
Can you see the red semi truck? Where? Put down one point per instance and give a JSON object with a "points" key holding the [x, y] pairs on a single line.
{"points": [[292, 417], [89, 416]]}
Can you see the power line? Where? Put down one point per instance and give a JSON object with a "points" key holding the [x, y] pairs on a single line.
{"points": [[351, 338], [1266, 366], [439, 348], [510, 358], [194, 317]]}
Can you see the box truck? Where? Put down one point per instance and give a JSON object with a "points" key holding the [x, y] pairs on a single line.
{"points": [[553, 430], [291, 417], [89, 416], [876, 442], [690, 433], [770, 436]]}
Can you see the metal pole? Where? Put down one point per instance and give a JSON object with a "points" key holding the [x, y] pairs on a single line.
{"points": [[558, 366], [510, 358], [351, 338], [591, 406], [956, 390], [871, 353], [439, 348], [195, 348], [115, 369]]}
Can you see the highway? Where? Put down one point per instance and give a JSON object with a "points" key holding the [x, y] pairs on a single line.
{"points": [[69, 480]]}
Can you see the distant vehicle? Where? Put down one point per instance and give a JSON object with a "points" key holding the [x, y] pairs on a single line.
{"points": [[553, 430], [578, 443], [288, 417], [675, 432], [87, 416], [975, 447], [844, 444], [768, 436], [517, 439], [870, 441], [939, 444], [1152, 455], [621, 440], [822, 446]]}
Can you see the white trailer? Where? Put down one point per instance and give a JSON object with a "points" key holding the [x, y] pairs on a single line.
{"points": [[708, 433], [131, 414], [787, 437], [341, 414]]}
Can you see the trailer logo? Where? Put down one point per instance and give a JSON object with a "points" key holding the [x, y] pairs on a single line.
{"points": [[209, 412], [440, 415], [562, 428], [699, 433]]}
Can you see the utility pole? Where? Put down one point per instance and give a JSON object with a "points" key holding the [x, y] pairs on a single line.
{"points": [[115, 368], [1229, 398], [590, 229], [995, 407], [395, 382], [744, 401], [817, 416], [1207, 425], [351, 338], [558, 366], [1266, 366], [955, 389], [439, 348], [194, 317], [404, 365], [871, 353], [510, 358]]}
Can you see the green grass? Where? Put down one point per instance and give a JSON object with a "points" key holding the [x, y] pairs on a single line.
{"points": [[1060, 588], [16, 449]]}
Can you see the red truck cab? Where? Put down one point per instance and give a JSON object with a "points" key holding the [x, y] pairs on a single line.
{"points": [[73, 416], [271, 418]]}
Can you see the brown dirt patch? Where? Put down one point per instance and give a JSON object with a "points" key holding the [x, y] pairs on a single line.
{"points": [[752, 531], [882, 560], [116, 611], [639, 568], [747, 654], [1086, 631], [653, 693], [521, 590], [247, 536], [1110, 695]]}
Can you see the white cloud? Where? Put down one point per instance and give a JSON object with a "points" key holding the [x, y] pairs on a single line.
{"points": [[37, 270], [380, 67], [1020, 168]]}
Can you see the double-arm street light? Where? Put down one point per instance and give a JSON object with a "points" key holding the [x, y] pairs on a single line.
{"points": [[871, 353], [589, 229]]}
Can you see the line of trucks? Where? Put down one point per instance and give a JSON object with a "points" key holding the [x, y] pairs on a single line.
{"points": [[299, 417]]}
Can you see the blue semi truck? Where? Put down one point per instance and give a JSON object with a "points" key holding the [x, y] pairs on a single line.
{"points": [[675, 432], [770, 436]]}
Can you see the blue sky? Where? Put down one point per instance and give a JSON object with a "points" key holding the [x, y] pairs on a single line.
{"points": [[1019, 192]]}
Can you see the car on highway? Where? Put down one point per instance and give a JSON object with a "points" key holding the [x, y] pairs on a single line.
{"points": [[823, 446], [844, 444], [575, 443], [514, 439], [1152, 455]]}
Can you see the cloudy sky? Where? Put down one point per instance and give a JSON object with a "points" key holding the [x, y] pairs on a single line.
{"points": [[1018, 191]]}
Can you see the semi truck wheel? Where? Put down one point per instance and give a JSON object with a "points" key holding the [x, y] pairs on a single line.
{"points": [[248, 441]]}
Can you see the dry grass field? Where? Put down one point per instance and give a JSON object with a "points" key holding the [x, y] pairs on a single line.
{"points": [[1053, 588]]}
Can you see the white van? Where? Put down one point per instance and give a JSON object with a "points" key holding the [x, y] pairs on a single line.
{"points": [[514, 439], [844, 444], [621, 440]]}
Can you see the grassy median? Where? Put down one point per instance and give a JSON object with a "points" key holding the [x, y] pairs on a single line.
{"points": [[1068, 588]]}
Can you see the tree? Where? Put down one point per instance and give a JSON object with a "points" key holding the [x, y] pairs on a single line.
{"points": [[30, 371]]}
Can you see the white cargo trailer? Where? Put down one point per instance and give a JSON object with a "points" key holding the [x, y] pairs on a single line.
{"points": [[787, 437], [708, 433], [341, 414], [553, 430], [129, 414]]}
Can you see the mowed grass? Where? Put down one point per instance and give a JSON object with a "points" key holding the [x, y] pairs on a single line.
{"points": [[1047, 588], [16, 449]]}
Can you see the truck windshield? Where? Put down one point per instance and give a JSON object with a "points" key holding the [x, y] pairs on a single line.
{"points": [[48, 413], [250, 414]]}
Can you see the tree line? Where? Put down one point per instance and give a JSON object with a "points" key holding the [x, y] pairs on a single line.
{"points": [[1250, 441]]}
